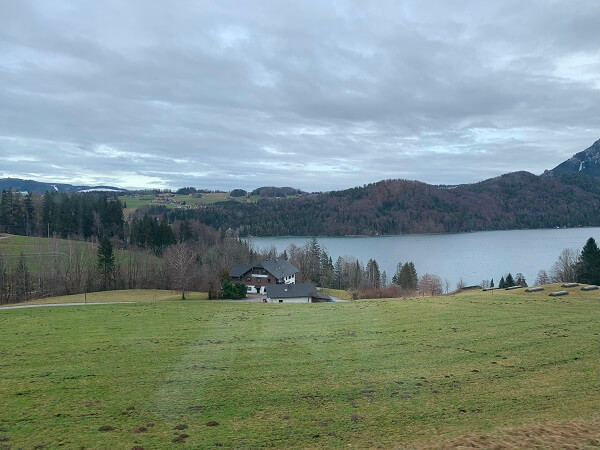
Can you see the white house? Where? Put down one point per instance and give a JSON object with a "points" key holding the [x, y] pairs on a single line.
{"points": [[258, 277]]}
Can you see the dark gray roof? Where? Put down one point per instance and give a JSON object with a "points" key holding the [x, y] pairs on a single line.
{"points": [[279, 267], [293, 291], [239, 269]]}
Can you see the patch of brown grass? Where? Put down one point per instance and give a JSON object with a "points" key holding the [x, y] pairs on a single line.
{"points": [[573, 435]]}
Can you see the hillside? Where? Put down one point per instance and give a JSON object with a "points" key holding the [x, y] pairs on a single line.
{"points": [[44, 254], [586, 162], [390, 373], [511, 201]]}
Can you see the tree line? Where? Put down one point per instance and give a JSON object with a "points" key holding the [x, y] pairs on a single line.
{"points": [[362, 280], [61, 214], [572, 266]]}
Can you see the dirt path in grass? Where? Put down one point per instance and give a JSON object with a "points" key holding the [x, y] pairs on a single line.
{"points": [[63, 304]]}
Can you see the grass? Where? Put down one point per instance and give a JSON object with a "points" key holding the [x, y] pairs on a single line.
{"points": [[574, 293], [130, 295], [459, 370], [38, 251], [339, 293], [135, 201]]}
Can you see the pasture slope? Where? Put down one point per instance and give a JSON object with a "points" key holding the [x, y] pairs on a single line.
{"points": [[468, 370], [43, 253]]}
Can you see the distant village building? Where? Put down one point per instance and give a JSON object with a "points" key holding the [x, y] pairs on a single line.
{"points": [[258, 277], [295, 293]]}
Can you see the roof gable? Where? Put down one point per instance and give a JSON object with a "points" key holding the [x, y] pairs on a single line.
{"points": [[279, 267], [239, 269]]}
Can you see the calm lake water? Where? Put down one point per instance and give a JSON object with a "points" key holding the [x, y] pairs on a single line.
{"points": [[470, 256]]}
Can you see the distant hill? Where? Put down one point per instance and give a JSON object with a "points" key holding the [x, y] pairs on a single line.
{"points": [[512, 201], [272, 191], [586, 162], [41, 187]]}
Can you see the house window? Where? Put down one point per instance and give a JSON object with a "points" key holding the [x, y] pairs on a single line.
{"points": [[248, 279], [280, 301]]}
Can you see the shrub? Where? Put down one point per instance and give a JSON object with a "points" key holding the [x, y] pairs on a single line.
{"points": [[233, 290]]}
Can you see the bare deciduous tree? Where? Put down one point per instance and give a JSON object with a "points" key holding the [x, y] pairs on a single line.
{"points": [[181, 260], [564, 269], [542, 278], [430, 284]]}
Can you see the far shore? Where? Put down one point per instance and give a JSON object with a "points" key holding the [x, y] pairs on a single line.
{"points": [[413, 234]]}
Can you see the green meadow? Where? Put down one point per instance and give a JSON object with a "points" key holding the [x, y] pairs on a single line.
{"points": [[445, 371], [136, 201], [41, 253]]}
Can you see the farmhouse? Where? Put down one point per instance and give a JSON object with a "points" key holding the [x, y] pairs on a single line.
{"points": [[295, 293], [258, 277]]}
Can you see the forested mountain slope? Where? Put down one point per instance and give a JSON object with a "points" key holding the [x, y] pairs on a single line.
{"points": [[515, 200]]}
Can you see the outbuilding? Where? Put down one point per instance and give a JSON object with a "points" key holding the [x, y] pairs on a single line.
{"points": [[296, 293]]}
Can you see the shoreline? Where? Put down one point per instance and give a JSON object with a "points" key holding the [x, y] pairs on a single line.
{"points": [[412, 234]]}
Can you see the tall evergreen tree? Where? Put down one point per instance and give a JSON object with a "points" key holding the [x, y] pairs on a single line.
{"points": [[414, 278], [396, 277], [339, 281], [49, 213], [510, 281], [588, 266], [7, 219], [31, 225], [106, 261], [373, 274]]}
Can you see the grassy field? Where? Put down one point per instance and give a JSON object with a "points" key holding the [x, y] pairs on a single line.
{"points": [[206, 199], [38, 250], [508, 367], [133, 202], [339, 293], [130, 295]]}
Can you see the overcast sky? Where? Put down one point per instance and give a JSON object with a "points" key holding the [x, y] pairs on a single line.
{"points": [[312, 94]]}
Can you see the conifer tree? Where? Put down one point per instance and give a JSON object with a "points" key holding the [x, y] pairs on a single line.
{"points": [[588, 266], [396, 277], [510, 281], [106, 261], [30, 219]]}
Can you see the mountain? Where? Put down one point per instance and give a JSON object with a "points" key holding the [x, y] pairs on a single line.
{"points": [[586, 162], [41, 187], [517, 200]]}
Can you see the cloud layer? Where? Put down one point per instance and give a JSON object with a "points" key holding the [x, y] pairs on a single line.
{"points": [[316, 95]]}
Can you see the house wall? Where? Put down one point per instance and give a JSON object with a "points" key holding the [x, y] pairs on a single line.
{"points": [[290, 300], [253, 289], [290, 280]]}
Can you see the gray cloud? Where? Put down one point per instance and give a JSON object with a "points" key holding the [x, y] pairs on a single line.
{"points": [[317, 95]]}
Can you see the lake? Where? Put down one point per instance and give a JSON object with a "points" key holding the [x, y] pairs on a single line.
{"points": [[472, 257]]}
